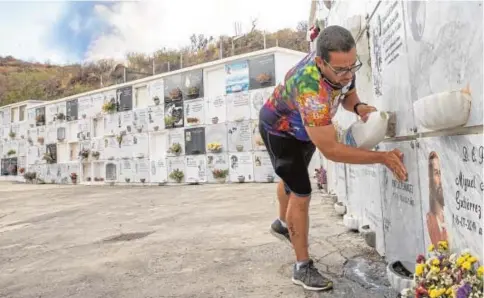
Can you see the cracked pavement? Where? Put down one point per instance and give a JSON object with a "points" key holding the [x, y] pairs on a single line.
{"points": [[171, 241]]}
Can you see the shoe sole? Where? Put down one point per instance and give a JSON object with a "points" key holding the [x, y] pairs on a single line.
{"points": [[306, 287], [280, 237]]}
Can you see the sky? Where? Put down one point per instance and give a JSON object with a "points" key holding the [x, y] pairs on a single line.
{"points": [[67, 31]]}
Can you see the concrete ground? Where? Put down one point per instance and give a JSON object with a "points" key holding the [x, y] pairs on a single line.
{"points": [[189, 241]]}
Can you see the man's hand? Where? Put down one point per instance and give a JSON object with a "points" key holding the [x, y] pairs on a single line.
{"points": [[394, 161], [364, 111]]}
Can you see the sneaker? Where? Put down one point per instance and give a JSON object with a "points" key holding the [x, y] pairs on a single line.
{"points": [[309, 278], [279, 231]]}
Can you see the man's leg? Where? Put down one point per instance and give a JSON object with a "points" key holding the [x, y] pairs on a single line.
{"points": [[279, 226]]}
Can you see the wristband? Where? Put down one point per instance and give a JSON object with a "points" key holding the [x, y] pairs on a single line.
{"points": [[355, 108]]}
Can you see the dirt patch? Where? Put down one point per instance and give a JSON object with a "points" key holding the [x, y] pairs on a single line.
{"points": [[126, 237]]}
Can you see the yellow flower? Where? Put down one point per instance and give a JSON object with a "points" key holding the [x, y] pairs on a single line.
{"points": [[480, 271], [435, 293], [419, 269], [466, 265], [443, 245], [448, 291], [472, 260], [431, 247], [460, 260], [435, 269], [436, 262]]}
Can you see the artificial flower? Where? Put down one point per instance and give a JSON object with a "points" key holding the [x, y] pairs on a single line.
{"points": [[466, 265], [480, 271], [431, 247], [435, 293], [419, 269]]}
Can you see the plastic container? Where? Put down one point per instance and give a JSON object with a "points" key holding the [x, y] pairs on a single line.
{"points": [[443, 110], [367, 134]]}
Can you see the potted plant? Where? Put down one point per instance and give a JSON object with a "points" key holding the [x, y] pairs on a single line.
{"points": [[30, 141], [84, 116], [220, 175], [264, 78], [30, 176], [11, 152], [446, 275], [109, 107], [239, 148], [88, 179], [156, 128], [192, 120], [84, 154], [139, 129], [73, 178], [40, 140], [214, 147], [177, 175], [21, 170], [60, 116], [241, 178], [11, 134], [175, 94], [143, 180], [127, 180], [119, 139], [214, 120], [169, 121], [193, 92], [95, 154], [48, 158], [156, 100], [270, 178], [175, 148], [40, 119]]}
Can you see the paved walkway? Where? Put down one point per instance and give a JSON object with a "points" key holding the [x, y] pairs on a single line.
{"points": [[190, 241]]}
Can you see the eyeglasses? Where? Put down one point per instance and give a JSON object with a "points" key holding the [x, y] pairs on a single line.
{"points": [[342, 72]]}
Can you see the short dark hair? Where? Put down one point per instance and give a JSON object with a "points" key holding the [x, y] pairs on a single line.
{"points": [[334, 39]]}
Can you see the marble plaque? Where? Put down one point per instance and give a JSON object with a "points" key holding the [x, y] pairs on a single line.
{"points": [[257, 142], [401, 205], [452, 187], [176, 162], [176, 136], [241, 166], [263, 169], [174, 114], [216, 134], [50, 113], [51, 134], [156, 91], [142, 170], [238, 106], [445, 47], [355, 199], [85, 107], [156, 120], [389, 58], [126, 170], [97, 103], [158, 170], [195, 169], [194, 112], [257, 99], [216, 162], [111, 124], [239, 136], [141, 120], [216, 110], [341, 182]]}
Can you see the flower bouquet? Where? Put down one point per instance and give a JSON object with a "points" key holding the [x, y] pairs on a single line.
{"points": [[214, 147], [445, 275]]}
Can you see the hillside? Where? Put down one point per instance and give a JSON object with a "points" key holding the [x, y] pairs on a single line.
{"points": [[21, 80]]}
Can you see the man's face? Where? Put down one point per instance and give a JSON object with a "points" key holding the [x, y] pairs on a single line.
{"points": [[436, 174], [341, 66]]}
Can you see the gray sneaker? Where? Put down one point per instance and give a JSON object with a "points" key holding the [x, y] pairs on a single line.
{"points": [[309, 278]]}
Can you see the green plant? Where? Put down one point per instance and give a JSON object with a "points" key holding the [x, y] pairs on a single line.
{"points": [[11, 134], [84, 153], [169, 121], [218, 173], [109, 107], [61, 116], [95, 154], [177, 175], [11, 152], [48, 158], [29, 176], [175, 149]]}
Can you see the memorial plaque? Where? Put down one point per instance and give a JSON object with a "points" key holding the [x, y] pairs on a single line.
{"points": [[258, 98], [195, 141], [158, 170], [239, 136], [176, 163], [402, 212], [341, 183], [195, 169], [257, 142], [72, 110], [176, 136], [97, 103], [262, 72], [174, 114], [156, 92], [126, 121], [216, 110], [192, 84], [263, 170], [126, 171], [216, 162], [216, 134], [156, 120], [241, 167], [140, 119], [142, 170], [439, 32], [84, 107], [452, 187], [194, 112], [238, 106], [173, 88], [124, 98]]}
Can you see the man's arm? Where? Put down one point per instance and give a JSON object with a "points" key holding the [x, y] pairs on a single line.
{"points": [[351, 100]]}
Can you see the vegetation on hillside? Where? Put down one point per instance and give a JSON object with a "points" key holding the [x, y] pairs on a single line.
{"points": [[21, 80]]}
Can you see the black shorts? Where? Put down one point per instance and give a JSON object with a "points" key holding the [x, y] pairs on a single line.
{"points": [[290, 158]]}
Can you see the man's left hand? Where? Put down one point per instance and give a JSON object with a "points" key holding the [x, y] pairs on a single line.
{"points": [[364, 111]]}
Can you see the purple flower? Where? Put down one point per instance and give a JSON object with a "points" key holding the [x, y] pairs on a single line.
{"points": [[464, 291]]}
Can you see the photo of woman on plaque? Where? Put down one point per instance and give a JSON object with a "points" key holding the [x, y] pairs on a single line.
{"points": [[435, 217]]}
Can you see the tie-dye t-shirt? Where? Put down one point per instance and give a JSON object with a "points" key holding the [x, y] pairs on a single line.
{"points": [[305, 99]]}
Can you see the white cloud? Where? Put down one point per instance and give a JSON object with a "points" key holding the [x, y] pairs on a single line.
{"points": [[24, 29], [146, 26]]}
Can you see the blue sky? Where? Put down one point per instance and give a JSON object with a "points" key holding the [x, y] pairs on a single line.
{"points": [[68, 31]]}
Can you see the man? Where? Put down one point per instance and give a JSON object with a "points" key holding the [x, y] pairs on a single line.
{"points": [[435, 216], [296, 119]]}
